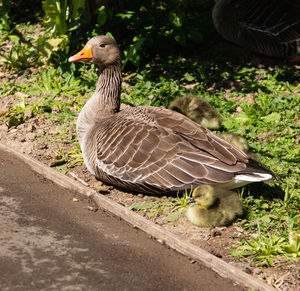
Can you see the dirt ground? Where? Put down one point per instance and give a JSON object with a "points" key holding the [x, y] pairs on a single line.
{"points": [[34, 138]]}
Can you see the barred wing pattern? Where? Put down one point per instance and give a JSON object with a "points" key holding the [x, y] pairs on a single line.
{"points": [[164, 149]]}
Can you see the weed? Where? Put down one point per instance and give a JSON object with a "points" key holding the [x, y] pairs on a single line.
{"points": [[72, 157], [21, 55]]}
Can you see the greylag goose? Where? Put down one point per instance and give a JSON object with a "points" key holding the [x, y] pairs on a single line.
{"points": [[151, 149], [198, 110], [268, 27], [212, 208]]}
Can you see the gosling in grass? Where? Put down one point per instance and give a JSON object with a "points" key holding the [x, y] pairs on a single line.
{"points": [[198, 110], [240, 143], [236, 140], [213, 208]]}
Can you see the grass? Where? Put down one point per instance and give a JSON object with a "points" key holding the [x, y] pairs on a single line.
{"points": [[260, 103], [172, 208]]}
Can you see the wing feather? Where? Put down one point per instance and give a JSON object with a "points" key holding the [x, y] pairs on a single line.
{"points": [[169, 151]]}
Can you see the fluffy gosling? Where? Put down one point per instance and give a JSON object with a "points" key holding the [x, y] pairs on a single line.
{"points": [[240, 143], [198, 110], [236, 140], [211, 208]]}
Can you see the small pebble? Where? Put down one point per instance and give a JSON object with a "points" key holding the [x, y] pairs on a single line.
{"points": [[221, 228], [254, 235], [215, 233], [216, 253], [55, 109], [21, 95], [40, 131], [206, 237], [248, 270], [30, 136], [42, 146], [160, 241], [53, 131], [22, 126], [239, 229], [75, 200], [30, 127], [28, 114], [257, 271]]}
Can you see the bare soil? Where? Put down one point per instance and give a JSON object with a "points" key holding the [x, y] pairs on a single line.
{"points": [[37, 137]]}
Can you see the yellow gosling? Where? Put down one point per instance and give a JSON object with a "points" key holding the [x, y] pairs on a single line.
{"points": [[198, 110], [240, 143], [213, 208]]}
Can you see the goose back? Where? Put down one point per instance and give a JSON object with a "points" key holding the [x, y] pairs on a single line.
{"points": [[269, 27], [155, 149]]}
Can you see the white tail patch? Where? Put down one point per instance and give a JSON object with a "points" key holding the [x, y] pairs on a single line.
{"points": [[244, 179], [255, 177]]}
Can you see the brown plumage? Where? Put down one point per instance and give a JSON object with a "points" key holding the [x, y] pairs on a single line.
{"points": [[268, 27], [198, 110], [151, 149]]}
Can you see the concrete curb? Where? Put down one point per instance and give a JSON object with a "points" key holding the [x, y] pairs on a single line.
{"points": [[222, 268]]}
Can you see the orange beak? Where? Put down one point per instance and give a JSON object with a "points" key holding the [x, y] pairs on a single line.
{"points": [[85, 55]]}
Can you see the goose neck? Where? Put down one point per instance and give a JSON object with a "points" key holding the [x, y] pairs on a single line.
{"points": [[104, 103], [108, 89]]}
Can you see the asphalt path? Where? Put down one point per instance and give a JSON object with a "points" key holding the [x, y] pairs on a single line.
{"points": [[54, 239]]}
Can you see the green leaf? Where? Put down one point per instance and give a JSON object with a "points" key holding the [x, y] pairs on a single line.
{"points": [[132, 53], [14, 38], [176, 18], [126, 15], [236, 121], [63, 169], [15, 120], [58, 162], [102, 15], [142, 206], [273, 117], [189, 77], [172, 216]]}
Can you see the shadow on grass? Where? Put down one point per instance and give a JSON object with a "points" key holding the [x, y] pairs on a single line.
{"points": [[258, 190], [222, 67]]}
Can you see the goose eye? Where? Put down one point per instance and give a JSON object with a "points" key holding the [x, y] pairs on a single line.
{"points": [[102, 45]]}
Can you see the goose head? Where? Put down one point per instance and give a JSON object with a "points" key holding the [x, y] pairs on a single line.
{"points": [[204, 196], [101, 50]]}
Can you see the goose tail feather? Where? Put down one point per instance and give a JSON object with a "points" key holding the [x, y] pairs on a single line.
{"points": [[255, 172]]}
